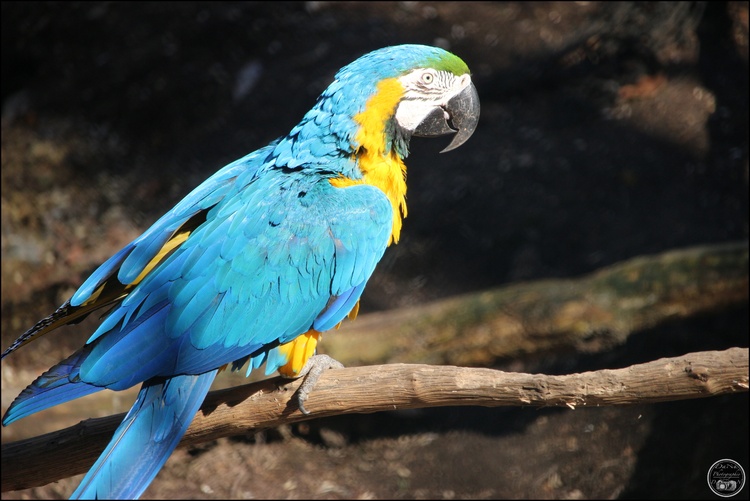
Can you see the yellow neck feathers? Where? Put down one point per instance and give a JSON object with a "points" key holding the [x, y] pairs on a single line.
{"points": [[380, 168]]}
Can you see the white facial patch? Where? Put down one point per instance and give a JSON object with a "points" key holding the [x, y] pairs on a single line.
{"points": [[424, 90]]}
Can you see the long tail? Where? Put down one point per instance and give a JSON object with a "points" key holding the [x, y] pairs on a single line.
{"points": [[146, 437]]}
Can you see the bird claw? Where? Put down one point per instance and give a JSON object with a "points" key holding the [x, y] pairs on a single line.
{"points": [[313, 368]]}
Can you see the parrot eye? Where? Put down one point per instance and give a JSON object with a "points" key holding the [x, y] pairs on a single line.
{"points": [[427, 78]]}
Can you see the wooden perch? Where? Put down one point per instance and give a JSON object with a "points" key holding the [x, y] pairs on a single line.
{"points": [[235, 411], [590, 314]]}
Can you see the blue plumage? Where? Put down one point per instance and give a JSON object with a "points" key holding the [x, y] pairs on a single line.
{"points": [[155, 424], [271, 246]]}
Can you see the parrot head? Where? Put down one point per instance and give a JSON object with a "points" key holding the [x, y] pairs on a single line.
{"points": [[439, 98], [389, 95]]}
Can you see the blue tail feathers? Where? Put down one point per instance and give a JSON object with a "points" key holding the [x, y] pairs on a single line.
{"points": [[146, 437]]}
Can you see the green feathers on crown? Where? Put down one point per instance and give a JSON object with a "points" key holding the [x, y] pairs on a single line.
{"points": [[449, 62]]}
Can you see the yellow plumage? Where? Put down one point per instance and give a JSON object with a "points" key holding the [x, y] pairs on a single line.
{"points": [[380, 168]]}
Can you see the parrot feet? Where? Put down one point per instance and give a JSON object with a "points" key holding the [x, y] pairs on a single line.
{"points": [[313, 368]]}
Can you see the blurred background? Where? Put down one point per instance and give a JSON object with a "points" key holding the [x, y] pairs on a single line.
{"points": [[609, 130]]}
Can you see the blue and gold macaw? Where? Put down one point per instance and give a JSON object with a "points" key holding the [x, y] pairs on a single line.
{"points": [[255, 263]]}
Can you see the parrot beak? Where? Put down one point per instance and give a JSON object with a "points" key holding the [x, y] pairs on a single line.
{"points": [[459, 116]]}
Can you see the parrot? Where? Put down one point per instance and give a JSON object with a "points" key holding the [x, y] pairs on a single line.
{"points": [[254, 264]]}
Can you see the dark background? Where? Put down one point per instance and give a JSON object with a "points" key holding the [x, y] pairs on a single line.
{"points": [[608, 131]]}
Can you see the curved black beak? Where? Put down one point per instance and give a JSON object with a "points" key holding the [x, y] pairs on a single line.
{"points": [[459, 116]]}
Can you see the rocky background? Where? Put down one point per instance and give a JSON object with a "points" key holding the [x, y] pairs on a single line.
{"points": [[608, 131]]}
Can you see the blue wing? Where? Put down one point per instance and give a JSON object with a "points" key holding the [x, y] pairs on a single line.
{"points": [[259, 260]]}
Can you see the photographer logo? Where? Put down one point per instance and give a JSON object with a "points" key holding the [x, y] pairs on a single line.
{"points": [[726, 478]]}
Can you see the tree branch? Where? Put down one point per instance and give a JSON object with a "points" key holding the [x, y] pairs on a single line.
{"points": [[592, 313], [235, 411]]}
